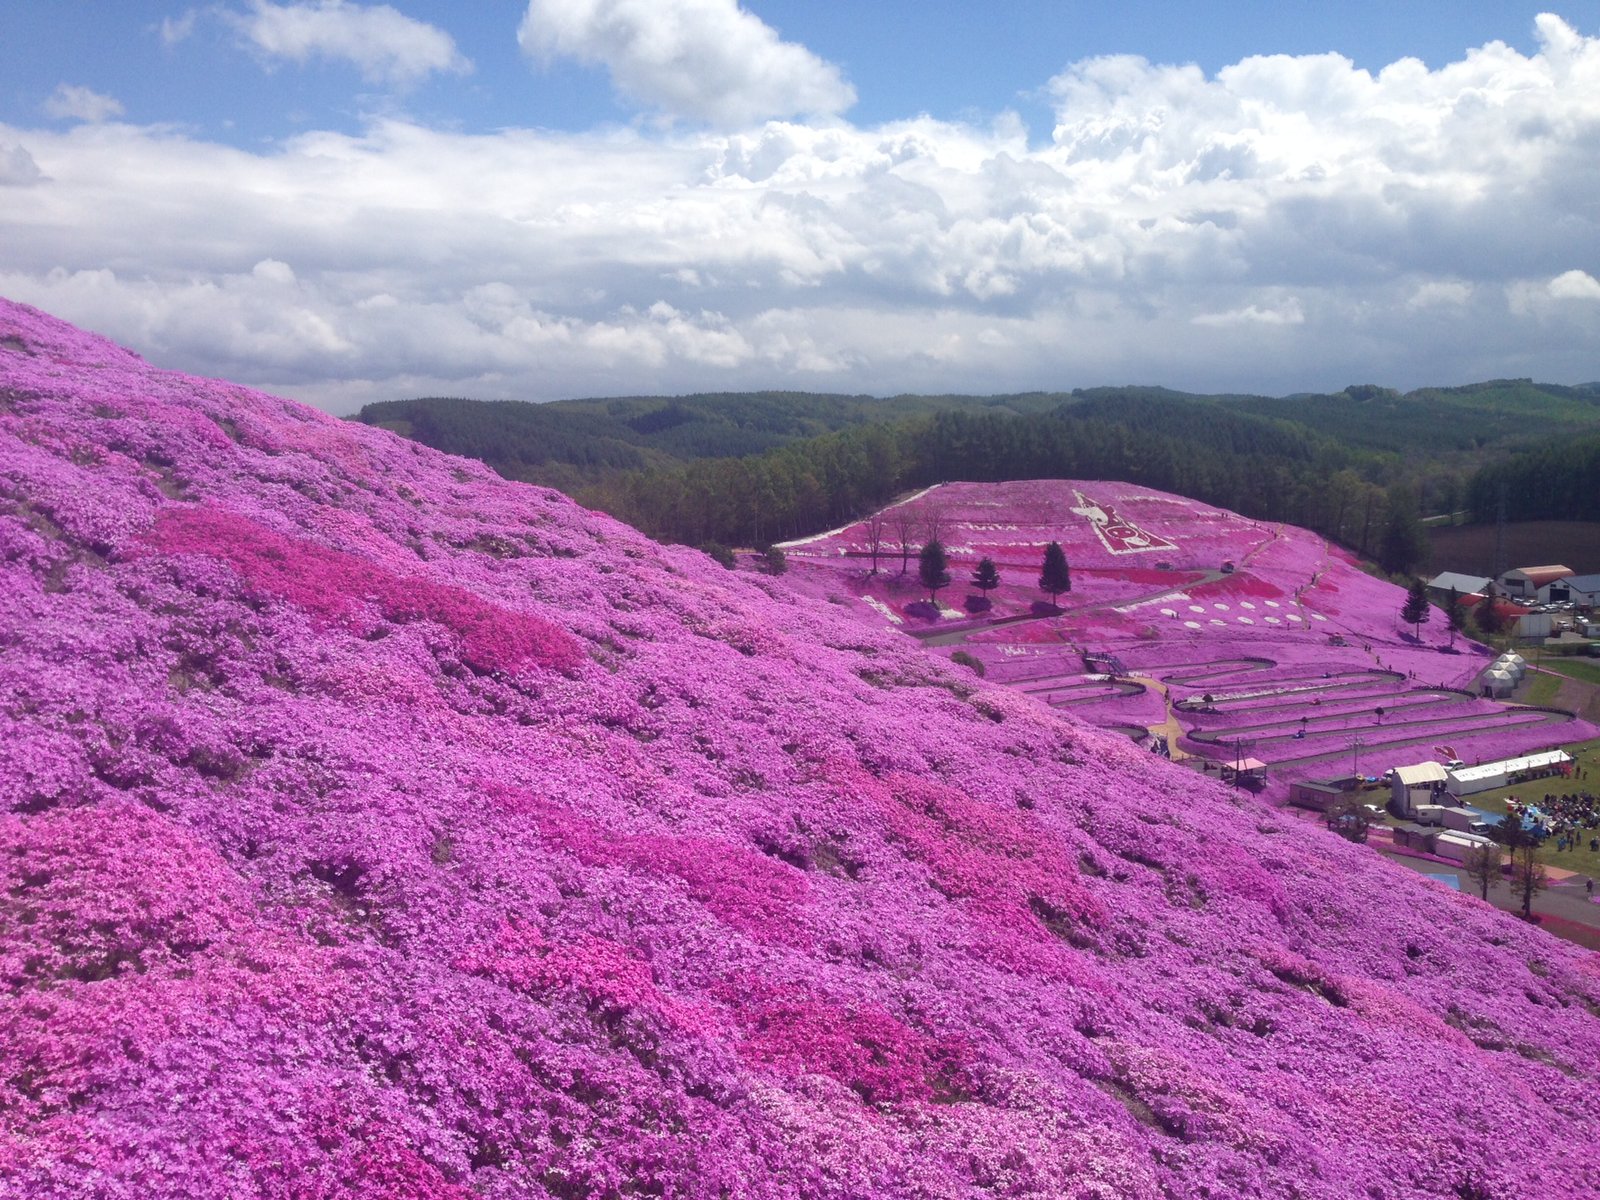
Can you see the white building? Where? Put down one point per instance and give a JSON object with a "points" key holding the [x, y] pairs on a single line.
{"points": [[1414, 785], [1465, 585]]}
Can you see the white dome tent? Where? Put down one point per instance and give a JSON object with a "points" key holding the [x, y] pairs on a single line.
{"points": [[1497, 682]]}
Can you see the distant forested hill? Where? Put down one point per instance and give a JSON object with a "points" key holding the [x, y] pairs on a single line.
{"points": [[744, 468], [571, 444]]}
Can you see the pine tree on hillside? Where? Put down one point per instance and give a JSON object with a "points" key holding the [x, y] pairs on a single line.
{"points": [[1415, 610], [1485, 616], [986, 577], [933, 569], [1056, 576]]}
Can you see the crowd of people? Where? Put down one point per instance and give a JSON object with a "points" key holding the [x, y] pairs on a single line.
{"points": [[1571, 818]]}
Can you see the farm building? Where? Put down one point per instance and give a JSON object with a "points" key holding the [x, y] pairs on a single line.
{"points": [[1536, 583], [1583, 590], [1414, 785], [1465, 585], [1464, 781]]}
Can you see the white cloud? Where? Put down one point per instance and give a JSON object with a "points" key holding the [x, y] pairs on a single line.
{"points": [[1288, 224], [70, 102], [1440, 293], [1575, 285], [385, 45], [17, 168], [705, 59], [1286, 313], [176, 29]]}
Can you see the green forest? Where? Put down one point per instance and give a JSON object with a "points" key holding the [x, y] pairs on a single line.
{"points": [[746, 469]]}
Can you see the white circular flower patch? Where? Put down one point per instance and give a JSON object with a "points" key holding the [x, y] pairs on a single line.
{"points": [[1191, 624], [1246, 621]]}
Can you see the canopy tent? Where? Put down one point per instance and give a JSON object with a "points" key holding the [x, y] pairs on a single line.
{"points": [[1464, 781]]}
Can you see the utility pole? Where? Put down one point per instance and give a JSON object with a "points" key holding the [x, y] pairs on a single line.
{"points": [[1355, 759], [1500, 535]]}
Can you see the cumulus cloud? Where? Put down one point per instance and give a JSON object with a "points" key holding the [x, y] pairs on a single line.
{"points": [[1287, 224], [387, 46], [70, 102], [706, 59], [1575, 285]]}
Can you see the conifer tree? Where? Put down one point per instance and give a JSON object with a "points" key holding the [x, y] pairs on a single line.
{"points": [[1485, 615], [1415, 610], [1056, 575], [933, 569], [986, 577]]}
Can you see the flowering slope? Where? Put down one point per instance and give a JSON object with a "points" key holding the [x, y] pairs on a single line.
{"points": [[1183, 592], [373, 827]]}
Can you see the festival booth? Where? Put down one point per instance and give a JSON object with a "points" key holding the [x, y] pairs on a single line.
{"points": [[1464, 781], [1246, 772], [1415, 785]]}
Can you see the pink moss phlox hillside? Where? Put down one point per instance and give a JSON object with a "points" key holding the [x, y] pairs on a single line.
{"points": [[374, 827], [878, 1057], [330, 583]]}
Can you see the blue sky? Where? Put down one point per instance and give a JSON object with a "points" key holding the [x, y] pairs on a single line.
{"points": [[347, 202]]}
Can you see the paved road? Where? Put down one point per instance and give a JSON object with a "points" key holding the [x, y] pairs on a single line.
{"points": [[1568, 901]]}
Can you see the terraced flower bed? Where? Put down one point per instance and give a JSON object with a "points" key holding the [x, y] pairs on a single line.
{"points": [[1293, 629]]}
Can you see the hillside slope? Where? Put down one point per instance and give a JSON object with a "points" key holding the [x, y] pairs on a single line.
{"points": [[374, 827]]}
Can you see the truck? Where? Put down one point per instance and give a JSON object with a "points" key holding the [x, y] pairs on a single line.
{"points": [[1429, 814], [1463, 820]]}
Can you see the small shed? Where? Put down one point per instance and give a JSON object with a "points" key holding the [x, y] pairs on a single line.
{"points": [[1316, 794], [1415, 837], [1414, 785]]}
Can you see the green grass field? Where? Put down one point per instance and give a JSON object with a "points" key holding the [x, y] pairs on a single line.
{"points": [[1586, 757], [1587, 670]]}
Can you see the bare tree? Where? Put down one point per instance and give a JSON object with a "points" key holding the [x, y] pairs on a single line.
{"points": [[905, 522], [1483, 867], [875, 527], [1528, 876], [933, 521]]}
